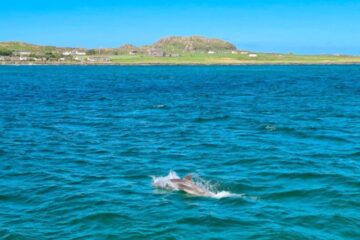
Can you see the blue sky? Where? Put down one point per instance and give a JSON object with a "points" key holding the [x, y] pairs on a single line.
{"points": [[301, 26]]}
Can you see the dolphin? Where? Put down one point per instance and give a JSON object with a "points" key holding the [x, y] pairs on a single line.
{"points": [[188, 185]]}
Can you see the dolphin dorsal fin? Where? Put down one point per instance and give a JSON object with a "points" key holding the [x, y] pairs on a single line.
{"points": [[188, 177]]}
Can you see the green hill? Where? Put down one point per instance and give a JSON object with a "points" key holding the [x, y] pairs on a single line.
{"points": [[9, 48], [22, 46], [175, 44], [193, 44]]}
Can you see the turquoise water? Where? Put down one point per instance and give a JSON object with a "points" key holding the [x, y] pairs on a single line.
{"points": [[78, 147]]}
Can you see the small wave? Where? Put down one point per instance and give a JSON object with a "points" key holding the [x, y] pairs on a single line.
{"points": [[333, 138], [291, 131], [354, 154], [159, 106], [2, 152], [105, 217], [166, 183], [7, 234], [270, 127], [211, 119]]}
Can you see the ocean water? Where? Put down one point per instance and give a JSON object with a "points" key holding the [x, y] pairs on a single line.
{"points": [[79, 144]]}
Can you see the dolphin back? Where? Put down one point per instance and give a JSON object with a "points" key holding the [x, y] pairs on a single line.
{"points": [[188, 177]]}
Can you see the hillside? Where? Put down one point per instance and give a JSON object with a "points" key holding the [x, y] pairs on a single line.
{"points": [[22, 46], [175, 44], [193, 44], [8, 48]]}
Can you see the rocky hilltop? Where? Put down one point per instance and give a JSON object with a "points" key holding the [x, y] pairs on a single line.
{"points": [[193, 44], [176, 45]]}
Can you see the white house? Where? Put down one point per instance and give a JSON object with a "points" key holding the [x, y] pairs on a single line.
{"points": [[234, 52], [74, 53], [211, 52], [244, 53], [133, 52], [66, 53], [80, 53], [252, 55], [24, 53]]}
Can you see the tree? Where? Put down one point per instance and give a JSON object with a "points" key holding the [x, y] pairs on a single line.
{"points": [[91, 52], [5, 52], [51, 55]]}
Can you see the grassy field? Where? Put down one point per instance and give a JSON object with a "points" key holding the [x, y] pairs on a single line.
{"points": [[204, 58]]}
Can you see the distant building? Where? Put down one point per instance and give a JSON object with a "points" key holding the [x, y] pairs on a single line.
{"points": [[23, 58], [234, 52], [23, 53], [156, 52], [98, 59], [253, 55], [133, 52], [244, 53], [211, 52], [80, 53], [73, 53], [66, 53]]}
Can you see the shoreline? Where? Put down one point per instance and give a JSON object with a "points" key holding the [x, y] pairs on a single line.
{"points": [[185, 64]]}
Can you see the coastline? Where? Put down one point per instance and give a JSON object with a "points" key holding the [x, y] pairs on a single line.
{"points": [[186, 64], [169, 51]]}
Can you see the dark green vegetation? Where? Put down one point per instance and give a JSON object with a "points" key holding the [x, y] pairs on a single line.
{"points": [[169, 50]]}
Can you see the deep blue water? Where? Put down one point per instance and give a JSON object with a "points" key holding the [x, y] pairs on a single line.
{"points": [[78, 146]]}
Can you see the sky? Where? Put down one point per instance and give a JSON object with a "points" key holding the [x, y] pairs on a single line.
{"points": [[297, 26]]}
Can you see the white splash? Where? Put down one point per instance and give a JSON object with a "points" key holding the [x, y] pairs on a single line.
{"points": [[165, 183], [159, 106], [226, 194]]}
